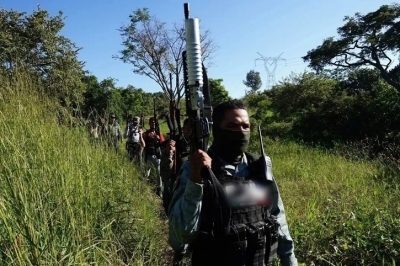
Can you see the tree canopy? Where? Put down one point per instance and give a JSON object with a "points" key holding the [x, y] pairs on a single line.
{"points": [[218, 92], [364, 40], [253, 80], [155, 50], [32, 42]]}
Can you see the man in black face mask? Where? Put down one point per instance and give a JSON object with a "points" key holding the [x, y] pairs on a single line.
{"points": [[242, 223]]}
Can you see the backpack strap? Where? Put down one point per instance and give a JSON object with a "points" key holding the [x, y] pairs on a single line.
{"points": [[131, 131], [216, 210]]}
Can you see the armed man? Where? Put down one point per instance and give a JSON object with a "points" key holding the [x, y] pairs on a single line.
{"points": [[153, 139], [114, 133], [135, 142], [226, 204], [253, 227], [174, 155]]}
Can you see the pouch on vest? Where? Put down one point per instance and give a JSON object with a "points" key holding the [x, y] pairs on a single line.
{"points": [[256, 244], [271, 230], [153, 148], [238, 240]]}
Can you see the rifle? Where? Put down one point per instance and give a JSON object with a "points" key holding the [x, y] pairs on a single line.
{"points": [[127, 116], [157, 130], [199, 109], [157, 126], [142, 116], [173, 122], [197, 93]]}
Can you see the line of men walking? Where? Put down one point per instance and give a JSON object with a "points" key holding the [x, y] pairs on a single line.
{"points": [[141, 146]]}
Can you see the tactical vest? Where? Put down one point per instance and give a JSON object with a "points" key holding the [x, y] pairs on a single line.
{"points": [[153, 146], [133, 136], [251, 237]]}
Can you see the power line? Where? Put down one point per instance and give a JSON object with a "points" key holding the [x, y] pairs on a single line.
{"points": [[270, 65]]}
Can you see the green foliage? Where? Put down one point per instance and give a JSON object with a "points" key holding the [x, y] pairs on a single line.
{"points": [[31, 42], [103, 98], [340, 212], [364, 40], [65, 200], [253, 80], [277, 130], [218, 92], [96, 98], [155, 50], [321, 109], [259, 108], [300, 94]]}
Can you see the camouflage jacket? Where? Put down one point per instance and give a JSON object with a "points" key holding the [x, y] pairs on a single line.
{"points": [[167, 159], [114, 131]]}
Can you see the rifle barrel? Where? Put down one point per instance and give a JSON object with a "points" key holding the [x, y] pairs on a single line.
{"points": [[187, 11]]}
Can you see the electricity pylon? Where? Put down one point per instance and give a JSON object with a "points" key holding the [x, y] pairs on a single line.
{"points": [[270, 65]]}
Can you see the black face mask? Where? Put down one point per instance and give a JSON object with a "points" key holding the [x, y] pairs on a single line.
{"points": [[230, 144]]}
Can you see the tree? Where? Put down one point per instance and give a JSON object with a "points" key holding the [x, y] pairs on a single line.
{"points": [[218, 92], [364, 40], [156, 51], [253, 80], [33, 42], [95, 97]]}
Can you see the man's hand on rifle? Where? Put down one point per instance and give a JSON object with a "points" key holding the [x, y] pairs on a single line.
{"points": [[198, 160], [170, 147]]}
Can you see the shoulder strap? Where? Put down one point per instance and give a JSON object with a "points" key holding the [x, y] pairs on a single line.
{"points": [[215, 211], [215, 163]]}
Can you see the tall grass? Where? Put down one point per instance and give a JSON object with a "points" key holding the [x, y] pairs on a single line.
{"points": [[340, 212], [65, 201]]}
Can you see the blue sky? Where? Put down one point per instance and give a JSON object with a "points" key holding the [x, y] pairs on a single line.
{"points": [[240, 28]]}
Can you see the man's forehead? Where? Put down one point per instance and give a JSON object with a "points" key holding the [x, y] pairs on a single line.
{"points": [[236, 115]]}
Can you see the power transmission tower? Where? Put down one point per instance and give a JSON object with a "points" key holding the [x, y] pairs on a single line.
{"points": [[270, 65]]}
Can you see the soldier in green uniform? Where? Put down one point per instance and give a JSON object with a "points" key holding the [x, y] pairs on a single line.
{"points": [[114, 133]]}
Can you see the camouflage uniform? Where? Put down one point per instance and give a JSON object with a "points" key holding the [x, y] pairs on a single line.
{"points": [[114, 135], [167, 164]]}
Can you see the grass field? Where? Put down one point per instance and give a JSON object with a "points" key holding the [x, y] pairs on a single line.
{"points": [[67, 201]]}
